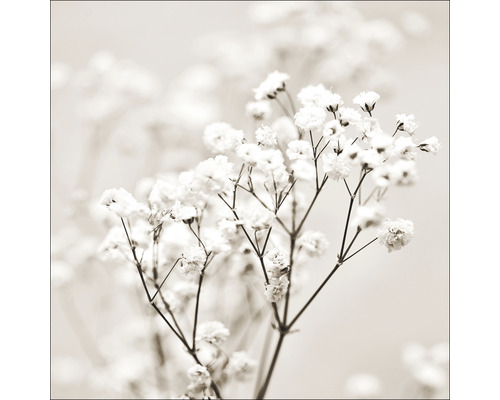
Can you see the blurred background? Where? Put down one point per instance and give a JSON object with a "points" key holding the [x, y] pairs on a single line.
{"points": [[133, 86]]}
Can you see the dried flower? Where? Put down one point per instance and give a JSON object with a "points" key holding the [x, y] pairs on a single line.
{"points": [[367, 101], [396, 234]]}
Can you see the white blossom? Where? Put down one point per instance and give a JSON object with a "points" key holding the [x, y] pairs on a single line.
{"points": [[277, 179], [269, 88], [348, 116], [299, 150], [406, 123], [213, 332], [259, 219], [382, 143], [181, 213], [310, 118], [363, 386], [332, 129], [405, 148], [270, 159], [403, 172], [249, 153], [276, 289], [303, 170], [313, 243], [319, 96], [395, 234], [336, 166], [199, 378], [367, 100], [276, 262], [213, 175], [266, 136], [259, 110], [122, 203], [193, 260], [221, 137], [430, 145], [240, 366], [368, 216]]}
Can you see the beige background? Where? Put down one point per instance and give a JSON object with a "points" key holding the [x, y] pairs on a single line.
{"points": [[377, 302]]}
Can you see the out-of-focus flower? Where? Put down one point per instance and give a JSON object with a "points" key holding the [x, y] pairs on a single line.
{"points": [[368, 216], [348, 116], [182, 213], [313, 243], [193, 260], [395, 234], [240, 366], [405, 148], [213, 175], [270, 159], [122, 203], [259, 219], [213, 332], [415, 23], [259, 110], [303, 170], [249, 153], [381, 142], [406, 123], [430, 145], [199, 378], [310, 118], [332, 129], [403, 172], [299, 150], [363, 386], [367, 100], [430, 375], [221, 137], [269, 88], [318, 96]]}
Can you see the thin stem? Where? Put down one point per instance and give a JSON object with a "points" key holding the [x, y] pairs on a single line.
{"points": [[296, 231], [263, 355], [169, 272], [366, 245], [263, 389], [196, 311], [290, 100], [283, 107]]}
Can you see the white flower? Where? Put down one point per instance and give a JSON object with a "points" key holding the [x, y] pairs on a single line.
{"points": [[270, 159], [213, 175], [430, 375], [285, 129], [381, 142], [348, 116], [310, 118], [215, 241], [395, 234], [122, 203], [405, 148], [332, 129], [221, 137], [440, 353], [366, 100], [406, 123], [199, 378], [181, 213], [228, 228], [276, 289], [259, 110], [369, 127], [368, 216], [320, 97], [336, 166], [403, 172], [370, 158], [314, 243], [249, 153], [266, 136], [259, 219], [430, 145], [178, 297], [269, 88], [362, 386], [303, 169], [240, 366], [381, 176], [276, 263], [213, 332], [193, 260], [299, 150], [277, 179]]}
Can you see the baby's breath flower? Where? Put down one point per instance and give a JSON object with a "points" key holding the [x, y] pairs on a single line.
{"points": [[228, 228], [403, 172], [406, 123], [240, 366], [199, 378], [395, 234], [221, 137], [270, 159], [213, 175], [368, 216], [249, 153], [277, 179], [276, 289], [122, 203], [370, 158], [363, 386], [367, 101], [430, 145], [193, 260], [382, 143], [258, 219], [310, 118], [213, 332], [430, 376], [320, 97], [266, 136], [369, 127], [348, 116], [276, 262], [332, 129], [405, 148], [299, 150], [215, 241], [381, 176], [336, 166], [178, 297], [313, 243], [259, 110], [269, 88], [303, 170], [182, 213]]}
